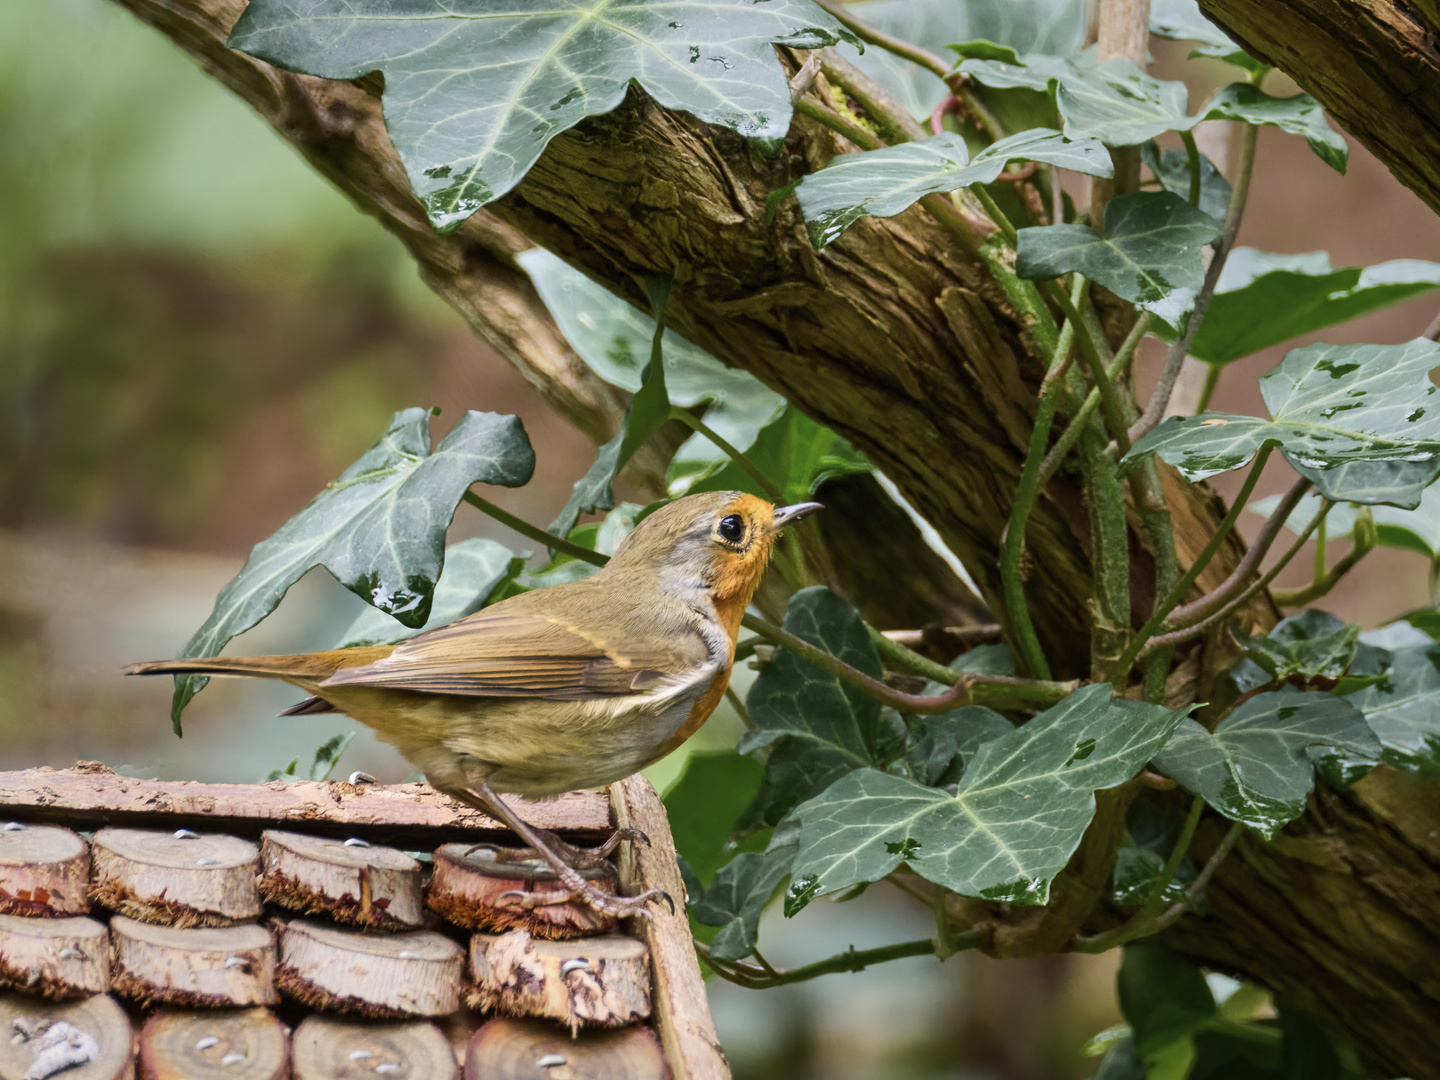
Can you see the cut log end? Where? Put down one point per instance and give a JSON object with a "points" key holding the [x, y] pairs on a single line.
{"points": [[79, 1040], [326, 1048], [381, 977], [246, 1045], [600, 981], [349, 881], [470, 884], [198, 968], [44, 871], [55, 958], [507, 1049], [178, 879]]}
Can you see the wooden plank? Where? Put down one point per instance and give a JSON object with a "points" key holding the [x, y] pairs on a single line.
{"points": [[412, 816], [681, 1009]]}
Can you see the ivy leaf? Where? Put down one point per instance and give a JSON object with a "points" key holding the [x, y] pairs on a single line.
{"points": [[379, 528], [706, 803], [1149, 252], [944, 744], [816, 726], [1172, 169], [1297, 115], [1018, 814], [1358, 420], [1182, 20], [327, 756], [614, 339], [649, 409], [475, 90], [1164, 996], [473, 569], [1259, 764], [796, 454], [1263, 299], [737, 897], [1151, 835], [882, 183], [1404, 710], [1313, 647]]}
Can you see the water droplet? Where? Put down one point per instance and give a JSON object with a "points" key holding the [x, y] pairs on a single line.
{"points": [[1422, 456], [801, 891]]}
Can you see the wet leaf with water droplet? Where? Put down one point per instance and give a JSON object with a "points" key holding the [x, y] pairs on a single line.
{"points": [[1339, 413], [737, 896], [379, 528], [1259, 764], [1404, 710], [1020, 809]]}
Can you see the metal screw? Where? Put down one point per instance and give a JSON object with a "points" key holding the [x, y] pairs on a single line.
{"points": [[14, 826], [361, 1055], [358, 777], [207, 1042], [578, 964], [387, 1067], [186, 834], [232, 1059], [236, 962], [355, 841], [71, 953], [207, 860], [549, 1061], [409, 954]]}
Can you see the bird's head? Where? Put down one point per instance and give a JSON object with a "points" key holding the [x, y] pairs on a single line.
{"points": [[720, 539]]}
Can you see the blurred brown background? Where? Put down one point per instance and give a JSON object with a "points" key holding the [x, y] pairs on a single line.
{"points": [[197, 333]]}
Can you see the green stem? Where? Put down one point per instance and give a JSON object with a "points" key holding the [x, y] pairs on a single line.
{"points": [[755, 977], [897, 125], [1192, 153], [1007, 227], [907, 658], [1365, 539], [534, 532], [872, 35], [1182, 587], [1212, 380], [694, 423], [1013, 541], [860, 136], [1319, 552], [739, 707], [1094, 363]]}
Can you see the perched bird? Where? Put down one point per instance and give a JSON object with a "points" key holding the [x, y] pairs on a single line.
{"points": [[574, 686]]}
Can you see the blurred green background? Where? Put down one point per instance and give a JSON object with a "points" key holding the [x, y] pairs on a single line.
{"points": [[197, 333]]}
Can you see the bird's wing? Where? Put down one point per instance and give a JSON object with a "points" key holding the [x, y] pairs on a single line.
{"points": [[523, 654]]}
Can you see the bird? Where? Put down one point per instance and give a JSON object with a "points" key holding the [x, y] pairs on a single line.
{"points": [[573, 686]]}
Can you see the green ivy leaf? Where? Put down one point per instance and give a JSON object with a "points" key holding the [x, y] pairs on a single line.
{"points": [[737, 897], [1172, 169], [1358, 420], [1259, 764], [796, 454], [1020, 810], [1404, 710], [1298, 115], [379, 528], [1182, 20], [473, 570], [817, 727], [944, 744], [1151, 835], [882, 183], [1264, 299], [474, 90], [327, 756], [706, 803], [615, 339], [1311, 647], [1149, 252], [1163, 996]]}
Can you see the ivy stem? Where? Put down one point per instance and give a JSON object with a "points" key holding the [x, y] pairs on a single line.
{"points": [[897, 124], [1094, 363], [1071, 434], [694, 423], [1364, 540], [1165, 606], [1212, 380], [1204, 625], [1012, 541], [1007, 227], [1202, 879], [873, 35], [1145, 921], [739, 707], [1192, 154], [534, 532], [898, 654], [754, 977], [1160, 400]]}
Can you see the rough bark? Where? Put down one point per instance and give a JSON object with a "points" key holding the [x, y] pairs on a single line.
{"points": [[176, 879], [57, 958], [596, 981], [470, 883], [44, 871], [208, 967], [1373, 64], [349, 881]]}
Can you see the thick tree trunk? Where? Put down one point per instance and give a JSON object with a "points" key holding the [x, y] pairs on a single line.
{"points": [[895, 339], [1373, 64]]}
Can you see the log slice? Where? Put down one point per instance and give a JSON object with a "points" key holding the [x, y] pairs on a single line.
{"points": [[469, 881], [350, 881], [77, 1040], [56, 958], [44, 871], [206, 967], [390, 976], [327, 1048], [599, 981], [180, 879], [507, 1049], [249, 1044]]}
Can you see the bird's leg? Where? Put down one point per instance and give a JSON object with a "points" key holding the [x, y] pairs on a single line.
{"points": [[540, 840], [579, 856]]}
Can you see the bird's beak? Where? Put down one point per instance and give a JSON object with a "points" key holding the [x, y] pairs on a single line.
{"points": [[788, 515]]}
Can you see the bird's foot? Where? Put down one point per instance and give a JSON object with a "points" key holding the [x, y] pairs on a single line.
{"points": [[583, 857], [583, 892]]}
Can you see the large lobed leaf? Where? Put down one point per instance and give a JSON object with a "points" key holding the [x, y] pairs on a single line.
{"points": [[1183, 21], [1310, 648], [379, 528], [1408, 530], [1149, 251], [1358, 420], [1259, 764], [1404, 710], [1263, 299], [1172, 169], [476, 89], [817, 727], [736, 898], [614, 339], [882, 183], [1018, 814], [795, 454]]}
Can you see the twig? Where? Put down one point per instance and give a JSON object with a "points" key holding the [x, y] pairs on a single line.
{"points": [[1192, 154], [739, 707], [1364, 537], [1432, 332], [860, 136], [873, 35], [534, 532], [897, 125], [1166, 605], [694, 423], [754, 977], [1093, 363], [1212, 380], [894, 651], [1155, 410], [966, 635], [947, 104]]}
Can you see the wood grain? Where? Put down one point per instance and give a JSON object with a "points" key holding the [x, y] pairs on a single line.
{"points": [[44, 871]]}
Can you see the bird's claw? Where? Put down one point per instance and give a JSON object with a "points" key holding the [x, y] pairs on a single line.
{"points": [[620, 907]]}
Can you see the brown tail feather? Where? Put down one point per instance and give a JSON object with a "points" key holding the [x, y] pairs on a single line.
{"points": [[314, 666]]}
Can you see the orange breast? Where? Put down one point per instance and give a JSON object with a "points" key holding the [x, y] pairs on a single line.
{"points": [[703, 708]]}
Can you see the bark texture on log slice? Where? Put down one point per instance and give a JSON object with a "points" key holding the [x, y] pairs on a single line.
{"points": [[383, 977], [207, 967], [600, 981], [176, 879], [57, 958], [79, 1040], [44, 871], [247, 1045], [331, 1049], [532, 1050], [466, 889], [350, 881]]}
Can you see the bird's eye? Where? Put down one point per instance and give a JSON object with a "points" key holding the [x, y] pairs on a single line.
{"points": [[732, 528]]}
